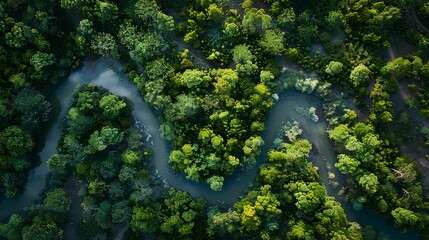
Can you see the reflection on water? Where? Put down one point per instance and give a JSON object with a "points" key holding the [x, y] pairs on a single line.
{"points": [[106, 73]]}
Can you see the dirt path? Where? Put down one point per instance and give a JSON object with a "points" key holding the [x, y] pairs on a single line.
{"points": [[236, 4], [415, 149], [75, 214], [74, 16], [403, 91], [199, 59], [121, 233], [417, 20], [139, 67]]}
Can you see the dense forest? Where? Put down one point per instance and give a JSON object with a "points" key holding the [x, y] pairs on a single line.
{"points": [[212, 73]]}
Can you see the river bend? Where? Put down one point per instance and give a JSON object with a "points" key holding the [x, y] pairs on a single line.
{"points": [[107, 73]]}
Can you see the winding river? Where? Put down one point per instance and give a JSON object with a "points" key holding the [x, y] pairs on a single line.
{"points": [[36, 177], [107, 73]]}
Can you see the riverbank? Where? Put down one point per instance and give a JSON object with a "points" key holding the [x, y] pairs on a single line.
{"points": [[107, 73]]}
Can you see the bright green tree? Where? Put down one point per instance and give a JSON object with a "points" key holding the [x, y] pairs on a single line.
{"points": [[100, 140], [112, 106], [40, 60], [57, 201], [146, 10], [249, 219], [214, 13], [244, 59], [272, 42], [216, 182], [255, 20], [145, 219], [404, 217], [104, 44], [359, 75], [369, 182], [347, 164], [106, 11], [334, 67], [131, 157]]}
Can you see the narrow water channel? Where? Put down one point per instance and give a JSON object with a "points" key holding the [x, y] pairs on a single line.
{"points": [[36, 177], [107, 73]]}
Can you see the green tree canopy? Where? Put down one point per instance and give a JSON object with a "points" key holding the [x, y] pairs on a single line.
{"points": [[57, 201], [112, 106], [42, 230], [255, 20], [216, 182], [33, 108], [13, 229], [369, 182], [359, 75], [40, 60], [404, 217], [100, 140], [16, 142], [272, 42], [146, 10], [334, 67], [104, 44], [244, 59]]}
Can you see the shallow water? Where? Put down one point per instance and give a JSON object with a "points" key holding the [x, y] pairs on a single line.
{"points": [[106, 73]]}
